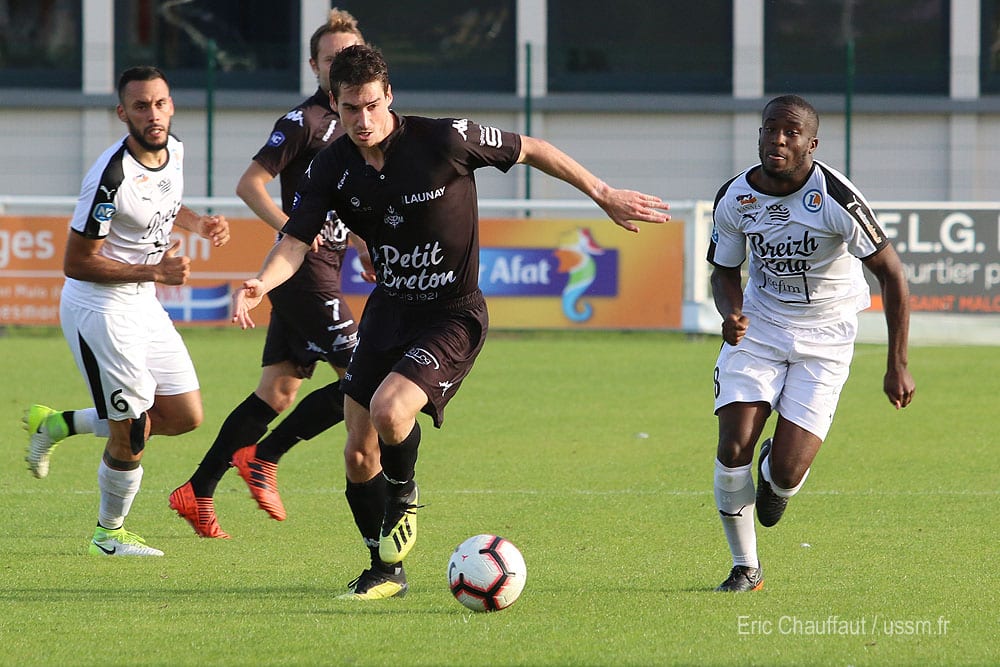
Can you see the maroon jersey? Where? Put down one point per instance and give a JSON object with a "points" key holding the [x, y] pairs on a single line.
{"points": [[419, 215], [296, 138]]}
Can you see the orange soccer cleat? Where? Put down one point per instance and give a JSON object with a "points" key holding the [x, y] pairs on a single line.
{"points": [[262, 478], [199, 512]]}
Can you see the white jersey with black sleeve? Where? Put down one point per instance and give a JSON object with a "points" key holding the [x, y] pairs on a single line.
{"points": [[805, 248], [132, 207]]}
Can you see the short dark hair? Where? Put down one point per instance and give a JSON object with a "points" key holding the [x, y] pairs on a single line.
{"points": [[798, 103], [356, 66], [139, 73]]}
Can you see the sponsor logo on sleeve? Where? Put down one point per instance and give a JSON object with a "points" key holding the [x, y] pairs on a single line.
{"points": [[860, 213], [276, 139], [490, 136], [104, 212]]}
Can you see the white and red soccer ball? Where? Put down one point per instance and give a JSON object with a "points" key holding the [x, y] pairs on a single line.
{"points": [[486, 573]]}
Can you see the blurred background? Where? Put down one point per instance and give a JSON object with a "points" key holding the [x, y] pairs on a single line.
{"points": [[662, 96]]}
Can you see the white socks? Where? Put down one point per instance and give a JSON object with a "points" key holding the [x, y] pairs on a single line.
{"points": [[86, 421], [735, 498], [765, 472], [118, 489]]}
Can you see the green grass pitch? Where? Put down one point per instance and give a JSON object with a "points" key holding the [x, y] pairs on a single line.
{"points": [[593, 453]]}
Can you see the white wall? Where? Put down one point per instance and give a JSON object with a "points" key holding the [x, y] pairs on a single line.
{"points": [[675, 155], [679, 147]]}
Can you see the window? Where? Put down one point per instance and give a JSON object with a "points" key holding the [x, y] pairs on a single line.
{"points": [[444, 45], [257, 42], [40, 44], [900, 46], [670, 46], [989, 71]]}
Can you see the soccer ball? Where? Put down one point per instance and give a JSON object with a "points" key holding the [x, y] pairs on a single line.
{"points": [[486, 573]]}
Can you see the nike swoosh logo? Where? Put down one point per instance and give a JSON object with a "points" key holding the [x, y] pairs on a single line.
{"points": [[110, 552]]}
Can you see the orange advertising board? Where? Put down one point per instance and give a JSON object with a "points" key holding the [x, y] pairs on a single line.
{"points": [[560, 274], [536, 273], [31, 275]]}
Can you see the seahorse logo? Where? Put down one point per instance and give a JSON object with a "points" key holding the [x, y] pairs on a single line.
{"points": [[576, 257]]}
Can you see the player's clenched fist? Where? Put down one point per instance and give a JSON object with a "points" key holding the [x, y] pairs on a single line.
{"points": [[216, 229], [734, 327]]}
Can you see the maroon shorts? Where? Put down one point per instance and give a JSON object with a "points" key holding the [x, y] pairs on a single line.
{"points": [[307, 327], [432, 345]]}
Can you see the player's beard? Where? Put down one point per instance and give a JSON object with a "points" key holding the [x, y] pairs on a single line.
{"points": [[145, 143], [792, 170]]}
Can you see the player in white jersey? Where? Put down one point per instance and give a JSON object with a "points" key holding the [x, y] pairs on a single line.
{"points": [[789, 334], [133, 360]]}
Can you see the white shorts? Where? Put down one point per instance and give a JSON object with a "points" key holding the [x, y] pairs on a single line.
{"points": [[127, 358], [799, 372]]}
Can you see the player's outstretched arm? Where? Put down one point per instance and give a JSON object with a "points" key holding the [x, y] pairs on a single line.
{"points": [[280, 264], [898, 384], [622, 206]]}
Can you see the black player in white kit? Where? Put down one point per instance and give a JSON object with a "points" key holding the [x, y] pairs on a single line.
{"points": [[789, 334], [310, 322], [405, 184]]}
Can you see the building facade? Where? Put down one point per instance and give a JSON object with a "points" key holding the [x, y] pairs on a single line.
{"points": [[663, 97]]}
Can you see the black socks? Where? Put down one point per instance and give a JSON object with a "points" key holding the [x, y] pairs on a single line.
{"points": [[244, 426], [314, 414], [399, 461]]}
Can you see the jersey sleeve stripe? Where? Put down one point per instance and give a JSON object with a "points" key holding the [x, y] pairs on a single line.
{"points": [[851, 201], [710, 255], [107, 188]]}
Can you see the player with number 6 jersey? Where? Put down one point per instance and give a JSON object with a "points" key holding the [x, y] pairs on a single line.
{"points": [[133, 360]]}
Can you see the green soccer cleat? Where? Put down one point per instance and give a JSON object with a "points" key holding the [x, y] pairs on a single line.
{"points": [[399, 527], [45, 427], [373, 584], [120, 542]]}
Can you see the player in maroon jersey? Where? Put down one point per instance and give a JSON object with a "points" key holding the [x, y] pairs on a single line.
{"points": [[310, 322], [405, 185]]}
